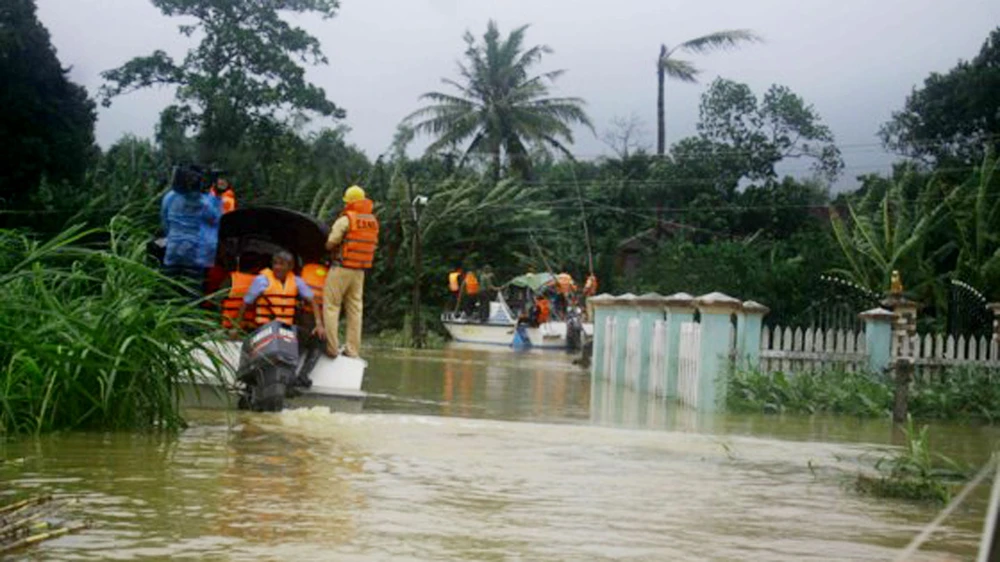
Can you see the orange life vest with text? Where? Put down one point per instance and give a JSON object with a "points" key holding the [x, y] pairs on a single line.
{"points": [[277, 302], [357, 250]]}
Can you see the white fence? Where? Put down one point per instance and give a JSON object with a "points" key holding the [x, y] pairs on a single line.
{"points": [[658, 359], [610, 345], [933, 353], [688, 359], [796, 350], [633, 352]]}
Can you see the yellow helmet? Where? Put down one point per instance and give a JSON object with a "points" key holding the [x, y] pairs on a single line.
{"points": [[354, 193]]}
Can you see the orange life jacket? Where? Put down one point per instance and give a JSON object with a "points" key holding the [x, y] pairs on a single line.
{"points": [[277, 302], [314, 275], [564, 283], [590, 287], [453, 281], [228, 201], [471, 284], [239, 285], [544, 309], [357, 250]]}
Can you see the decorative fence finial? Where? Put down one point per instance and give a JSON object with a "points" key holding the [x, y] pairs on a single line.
{"points": [[896, 287]]}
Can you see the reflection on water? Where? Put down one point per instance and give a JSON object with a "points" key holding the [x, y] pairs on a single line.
{"points": [[467, 454]]}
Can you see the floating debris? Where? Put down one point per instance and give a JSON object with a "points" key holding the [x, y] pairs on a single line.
{"points": [[32, 521]]}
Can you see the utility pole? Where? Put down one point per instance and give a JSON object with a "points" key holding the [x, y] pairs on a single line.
{"points": [[416, 323]]}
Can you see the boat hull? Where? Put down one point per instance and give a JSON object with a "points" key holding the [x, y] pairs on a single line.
{"points": [[551, 335], [339, 379]]}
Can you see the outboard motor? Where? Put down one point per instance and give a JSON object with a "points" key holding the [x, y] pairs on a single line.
{"points": [[268, 363], [574, 332]]}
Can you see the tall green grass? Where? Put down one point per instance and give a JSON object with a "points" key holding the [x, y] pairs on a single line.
{"points": [[91, 335]]}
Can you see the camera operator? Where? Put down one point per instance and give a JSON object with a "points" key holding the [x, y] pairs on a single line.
{"points": [[190, 217]]}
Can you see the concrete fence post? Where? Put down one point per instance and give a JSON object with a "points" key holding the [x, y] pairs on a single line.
{"points": [[650, 309], [878, 338], [749, 332], [716, 310], [602, 311], [625, 310], [679, 309]]}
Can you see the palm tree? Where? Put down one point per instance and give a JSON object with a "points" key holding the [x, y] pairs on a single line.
{"points": [[685, 71], [500, 106]]}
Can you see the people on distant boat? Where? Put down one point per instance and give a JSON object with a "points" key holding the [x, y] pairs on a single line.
{"points": [[541, 312], [565, 290], [487, 291], [455, 287], [352, 243], [589, 290], [470, 292]]}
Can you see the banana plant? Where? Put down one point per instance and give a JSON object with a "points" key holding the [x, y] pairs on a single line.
{"points": [[886, 232]]}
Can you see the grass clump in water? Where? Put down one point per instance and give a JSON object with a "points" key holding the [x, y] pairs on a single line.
{"points": [[913, 473], [91, 336]]}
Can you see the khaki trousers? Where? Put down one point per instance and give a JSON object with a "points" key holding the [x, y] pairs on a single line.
{"points": [[344, 288]]}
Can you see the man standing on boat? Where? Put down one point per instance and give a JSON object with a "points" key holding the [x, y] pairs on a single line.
{"points": [[352, 242], [487, 288]]}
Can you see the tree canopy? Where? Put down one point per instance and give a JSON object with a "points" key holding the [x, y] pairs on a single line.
{"points": [[955, 116], [47, 122], [246, 70], [501, 106]]}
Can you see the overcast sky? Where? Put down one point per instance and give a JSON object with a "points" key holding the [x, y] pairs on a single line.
{"points": [[854, 60]]}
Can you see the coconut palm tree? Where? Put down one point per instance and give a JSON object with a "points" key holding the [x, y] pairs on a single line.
{"points": [[685, 71], [500, 105]]}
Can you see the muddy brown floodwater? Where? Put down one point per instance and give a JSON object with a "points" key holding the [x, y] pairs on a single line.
{"points": [[475, 454]]}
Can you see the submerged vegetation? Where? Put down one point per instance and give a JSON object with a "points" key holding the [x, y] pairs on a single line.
{"points": [[913, 472], [961, 394], [30, 521], [90, 335]]}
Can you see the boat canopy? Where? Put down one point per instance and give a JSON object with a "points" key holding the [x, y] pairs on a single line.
{"points": [[533, 281], [265, 230]]}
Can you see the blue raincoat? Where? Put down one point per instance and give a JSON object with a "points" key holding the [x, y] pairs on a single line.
{"points": [[191, 221]]}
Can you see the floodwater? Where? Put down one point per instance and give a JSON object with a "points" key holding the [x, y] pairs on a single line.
{"points": [[470, 454]]}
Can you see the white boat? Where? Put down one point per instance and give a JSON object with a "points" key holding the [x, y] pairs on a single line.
{"points": [[501, 328], [248, 237], [335, 382]]}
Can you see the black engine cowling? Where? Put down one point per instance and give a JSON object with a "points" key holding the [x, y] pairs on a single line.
{"points": [[268, 362]]}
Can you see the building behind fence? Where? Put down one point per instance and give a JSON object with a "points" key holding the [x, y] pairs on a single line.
{"points": [[682, 347]]}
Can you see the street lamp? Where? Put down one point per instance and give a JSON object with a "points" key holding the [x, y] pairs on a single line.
{"points": [[415, 205]]}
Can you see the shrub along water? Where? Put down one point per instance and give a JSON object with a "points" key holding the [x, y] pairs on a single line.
{"points": [[962, 393], [91, 336], [913, 472]]}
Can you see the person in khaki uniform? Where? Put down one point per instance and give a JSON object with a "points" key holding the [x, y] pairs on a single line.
{"points": [[352, 242]]}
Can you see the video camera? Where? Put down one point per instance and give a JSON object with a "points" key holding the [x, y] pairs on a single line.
{"points": [[187, 178]]}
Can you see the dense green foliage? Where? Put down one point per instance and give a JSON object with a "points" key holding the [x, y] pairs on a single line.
{"points": [[47, 122], [91, 336], [244, 71], [954, 116], [500, 105], [967, 394]]}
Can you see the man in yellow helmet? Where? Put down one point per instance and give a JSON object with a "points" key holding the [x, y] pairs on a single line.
{"points": [[352, 242]]}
